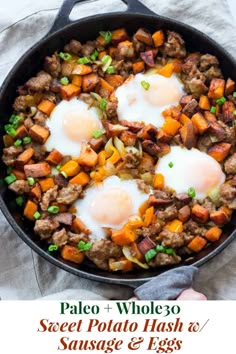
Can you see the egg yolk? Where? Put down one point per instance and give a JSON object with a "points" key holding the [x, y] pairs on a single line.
{"points": [[162, 92], [112, 207], [79, 125]]}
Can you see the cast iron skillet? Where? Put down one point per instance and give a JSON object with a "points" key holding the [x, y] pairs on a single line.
{"points": [[137, 15]]}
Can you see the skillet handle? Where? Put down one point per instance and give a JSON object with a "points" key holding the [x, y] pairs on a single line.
{"points": [[62, 18]]}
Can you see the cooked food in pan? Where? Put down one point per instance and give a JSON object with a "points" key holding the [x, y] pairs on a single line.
{"points": [[121, 150]]}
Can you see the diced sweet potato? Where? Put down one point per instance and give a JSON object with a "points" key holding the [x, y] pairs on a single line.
{"points": [[24, 157], [40, 169], [112, 51], [72, 254], [30, 209], [204, 103], [148, 216], [158, 38], [81, 178], [46, 107], [229, 87], [105, 89], [126, 49], [219, 217], [188, 135], [123, 265], [69, 91], [39, 133], [21, 132], [167, 70], [210, 117], [163, 137], [89, 82], [148, 58], [19, 174], [78, 226], [213, 234], [228, 107], [70, 168], [101, 40], [123, 237], [128, 138], [46, 184], [114, 80], [200, 123], [219, 151], [184, 213], [138, 67], [197, 244], [143, 36], [35, 192], [172, 112], [77, 80], [216, 89], [158, 181], [81, 69], [119, 35], [200, 213], [184, 119], [88, 156], [8, 140], [54, 157], [171, 126], [175, 226]]}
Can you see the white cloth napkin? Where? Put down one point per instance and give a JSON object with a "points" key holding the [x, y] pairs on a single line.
{"points": [[23, 274]]}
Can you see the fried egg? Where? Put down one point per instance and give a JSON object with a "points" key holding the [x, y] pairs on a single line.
{"points": [[145, 96], [183, 169], [71, 123], [109, 205]]}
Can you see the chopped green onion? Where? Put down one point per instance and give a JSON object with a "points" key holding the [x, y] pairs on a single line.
{"points": [[31, 181], [9, 169], [52, 247], [97, 133], [83, 60], [12, 118], [65, 56], [10, 130], [10, 179], [234, 112], [94, 55], [15, 120], [58, 167], [20, 200], [213, 109], [145, 85], [53, 209], [27, 140], [234, 94], [170, 251], [150, 254], [36, 215], [110, 70], [160, 248], [64, 80], [84, 246], [103, 104], [63, 174], [235, 122], [106, 61], [170, 164], [106, 35], [191, 192], [18, 142], [221, 100]]}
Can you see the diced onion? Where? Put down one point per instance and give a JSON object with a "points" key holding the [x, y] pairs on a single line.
{"points": [[127, 254], [120, 146]]}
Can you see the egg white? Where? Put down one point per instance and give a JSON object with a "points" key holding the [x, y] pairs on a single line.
{"points": [[135, 104], [58, 138], [191, 169], [83, 205]]}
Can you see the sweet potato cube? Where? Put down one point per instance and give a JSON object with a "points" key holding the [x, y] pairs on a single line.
{"points": [[40, 169], [72, 254], [216, 89], [184, 213], [210, 117], [24, 157], [35, 192], [81, 178], [188, 135], [105, 89], [46, 107], [70, 168], [200, 213], [21, 132], [46, 184], [163, 137], [89, 82], [184, 119], [54, 157], [167, 70], [19, 174], [229, 87], [148, 58], [204, 103], [77, 80], [119, 35], [175, 226], [219, 217], [126, 49], [39, 133], [200, 123], [138, 67], [88, 156], [143, 36], [8, 140], [30, 209], [114, 80], [158, 181], [69, 91], [123, 237], [78, 226], [158, 38], [219, 151], [171, 126], [81, 69], [213, 234], [197, 244]]}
